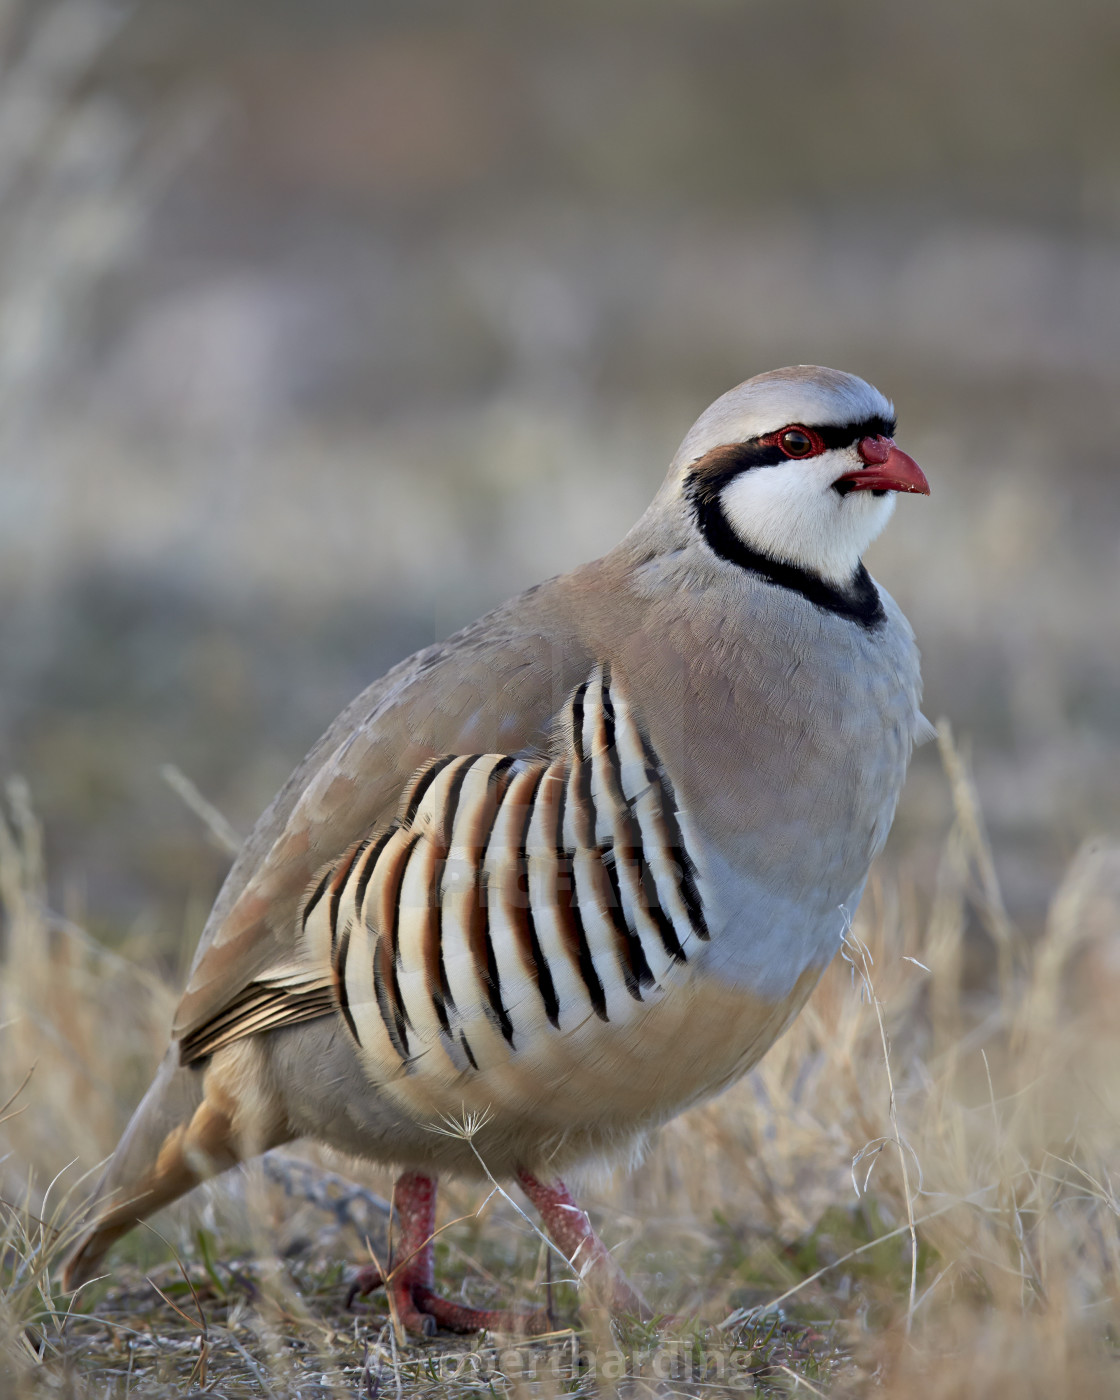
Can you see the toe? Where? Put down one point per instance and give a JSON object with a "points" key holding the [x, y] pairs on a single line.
{"points": [[363, 1282], [410, 1312], [457, 1317]]}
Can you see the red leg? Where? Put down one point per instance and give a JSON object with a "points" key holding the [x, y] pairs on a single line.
{"points": [[572, 1234], [411, 1273]]}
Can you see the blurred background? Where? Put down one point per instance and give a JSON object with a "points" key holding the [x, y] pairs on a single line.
{"points": [[326, 325]]}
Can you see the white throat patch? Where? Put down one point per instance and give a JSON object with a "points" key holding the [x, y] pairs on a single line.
{"points": [[790, 512]]}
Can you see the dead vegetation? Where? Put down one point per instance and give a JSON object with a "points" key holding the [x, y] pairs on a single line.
{"points": [[912, 1193]]}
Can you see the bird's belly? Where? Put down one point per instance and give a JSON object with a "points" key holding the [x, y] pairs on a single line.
{"points": [[600, 1083]]}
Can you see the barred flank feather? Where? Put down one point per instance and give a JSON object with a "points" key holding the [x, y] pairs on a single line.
{"points": [[510, 900]]}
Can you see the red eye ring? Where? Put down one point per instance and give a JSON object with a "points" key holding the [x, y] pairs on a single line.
{"points": [[796, 441]]}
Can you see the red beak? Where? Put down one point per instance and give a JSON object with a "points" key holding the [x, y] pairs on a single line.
{"points": [[888, 469]]}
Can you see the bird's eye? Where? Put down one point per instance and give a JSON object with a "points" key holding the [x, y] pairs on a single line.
{"points": [[795, 442]]}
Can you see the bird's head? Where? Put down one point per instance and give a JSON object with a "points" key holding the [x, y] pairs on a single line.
{"points": [[795, 470]]}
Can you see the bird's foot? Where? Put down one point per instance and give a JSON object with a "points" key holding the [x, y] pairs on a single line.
{"points": [[571, 1232], [421, 1311], [408, 1279]]}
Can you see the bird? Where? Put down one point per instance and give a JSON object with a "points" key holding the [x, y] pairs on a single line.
{"points": [[552, 881]]}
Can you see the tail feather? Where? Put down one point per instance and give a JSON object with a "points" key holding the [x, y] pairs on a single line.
{"points": [[177, 1137]]}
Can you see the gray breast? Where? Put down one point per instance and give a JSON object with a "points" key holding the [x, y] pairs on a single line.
{"points": [[790, 770]]}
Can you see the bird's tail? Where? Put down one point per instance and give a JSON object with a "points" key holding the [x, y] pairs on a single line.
{"points": [[183, 1131]]}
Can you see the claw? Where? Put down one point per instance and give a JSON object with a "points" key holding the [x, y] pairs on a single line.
{"points": [[363, 1282]]}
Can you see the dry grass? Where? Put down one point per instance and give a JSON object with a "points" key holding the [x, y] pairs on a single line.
{"points": [[951, 1085], [980, 1122]]}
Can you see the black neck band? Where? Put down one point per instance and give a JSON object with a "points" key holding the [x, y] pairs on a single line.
{"points": [[860, 602]]}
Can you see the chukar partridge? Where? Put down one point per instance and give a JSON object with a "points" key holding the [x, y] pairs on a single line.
{"points": [[573, 869]]}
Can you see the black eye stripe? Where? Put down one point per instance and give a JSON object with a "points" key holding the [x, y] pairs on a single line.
{"points": [[845, 434], [712, 472]]}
